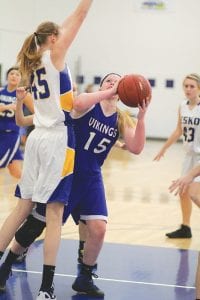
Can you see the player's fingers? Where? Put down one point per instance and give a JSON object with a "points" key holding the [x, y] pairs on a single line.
{"points": [[173, 186]]}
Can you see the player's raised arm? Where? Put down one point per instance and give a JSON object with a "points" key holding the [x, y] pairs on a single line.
{"points": [[68, 31]]}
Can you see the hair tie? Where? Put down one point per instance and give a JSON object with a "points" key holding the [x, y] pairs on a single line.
{"points": [[36, 38]]}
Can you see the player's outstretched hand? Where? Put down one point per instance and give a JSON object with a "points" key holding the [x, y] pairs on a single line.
{"points": [[159, 155], [179, 186]]}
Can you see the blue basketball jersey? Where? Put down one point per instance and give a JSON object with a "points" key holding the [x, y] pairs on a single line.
{"points": [[95, 135], [7, 117]]}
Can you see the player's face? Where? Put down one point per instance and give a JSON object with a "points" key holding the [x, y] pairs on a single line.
{"points": [[109, 81], [14, 78], [191, 89]]}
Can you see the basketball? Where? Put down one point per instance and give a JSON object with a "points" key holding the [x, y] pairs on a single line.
{"points": [[133, 89]]}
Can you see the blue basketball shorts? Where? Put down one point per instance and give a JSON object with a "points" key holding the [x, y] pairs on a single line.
{"points": [[9, 148]]}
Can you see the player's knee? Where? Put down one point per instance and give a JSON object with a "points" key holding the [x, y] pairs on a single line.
{"points": [[29, 231], [15, 173], [15, 169], [101, 232], [194, 193], [195, 199], [98, 230]]}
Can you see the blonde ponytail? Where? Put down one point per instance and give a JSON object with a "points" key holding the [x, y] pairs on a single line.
{"points": [[28, 58], [125, 120]]}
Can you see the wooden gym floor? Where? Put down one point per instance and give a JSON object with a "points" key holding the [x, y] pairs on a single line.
{"points": [[141, 211]]}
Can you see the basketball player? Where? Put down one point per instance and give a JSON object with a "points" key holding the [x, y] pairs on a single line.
{"points": [[49, 153], [188, 126], [97, 127], [10, 153], [180, 186]]}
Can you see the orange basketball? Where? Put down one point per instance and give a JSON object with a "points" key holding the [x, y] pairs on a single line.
{"points": [[133, 89]]}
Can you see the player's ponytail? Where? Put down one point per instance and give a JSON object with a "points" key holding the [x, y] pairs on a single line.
{"points": [[29, 57]]}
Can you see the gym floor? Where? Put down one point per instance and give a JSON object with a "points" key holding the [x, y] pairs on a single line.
{"points": [[137, 261]]}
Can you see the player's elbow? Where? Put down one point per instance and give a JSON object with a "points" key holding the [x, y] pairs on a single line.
{"points": [[17, 121], [136, 150], [79, 103]]}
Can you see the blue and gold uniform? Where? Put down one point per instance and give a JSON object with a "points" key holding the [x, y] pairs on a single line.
{"points": [[49, 152]]}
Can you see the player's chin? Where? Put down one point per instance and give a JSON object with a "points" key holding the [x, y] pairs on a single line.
{"points": [[115, 97]]}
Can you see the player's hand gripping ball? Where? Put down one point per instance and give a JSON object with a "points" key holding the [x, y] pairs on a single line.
{"points": [[133, 89]]}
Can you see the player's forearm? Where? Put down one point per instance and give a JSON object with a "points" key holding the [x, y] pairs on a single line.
{"points": [[171, 140], [86, 100], [79, 13], [74, 21], [135, 140], [20, 119], [194, 172]]}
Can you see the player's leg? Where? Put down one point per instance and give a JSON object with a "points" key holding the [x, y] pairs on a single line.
{"points": [[34, 226], [7, 232], [96, 231], [186, 209], [82, 229], [24, 237], [95, 236], [15, 168], [194, 192], [10, 154], [54, 213], [13, 221], [185, 202], [5, 269]]}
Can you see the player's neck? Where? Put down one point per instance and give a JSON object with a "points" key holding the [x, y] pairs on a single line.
{"points": [[11, 88], [108, 106]]}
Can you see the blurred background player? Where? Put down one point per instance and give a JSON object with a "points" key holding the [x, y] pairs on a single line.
{"points": [[89, 88], [10, 153], [188, 126], [180, 186]]}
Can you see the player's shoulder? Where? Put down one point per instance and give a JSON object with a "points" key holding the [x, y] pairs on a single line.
{"points": [[78, 115]]}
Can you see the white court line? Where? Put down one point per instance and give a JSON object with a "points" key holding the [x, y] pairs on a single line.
{"points": [[114, 280]]}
